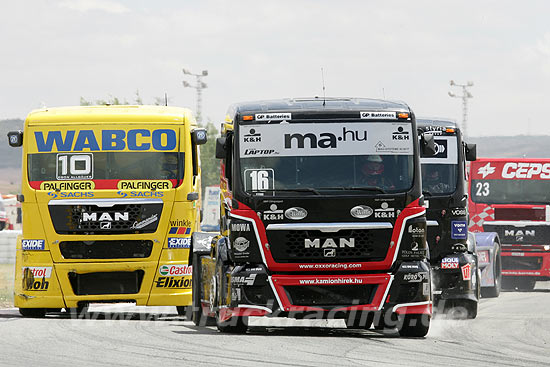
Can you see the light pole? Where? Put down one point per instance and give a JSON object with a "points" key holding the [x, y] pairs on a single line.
{"points": [[465, 95], [199, 87]]}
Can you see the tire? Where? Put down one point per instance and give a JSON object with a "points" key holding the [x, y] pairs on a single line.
{"points": [[199, 318], [462, 310], [235, 325], [415, 326], [494, 292], [35, 313]]}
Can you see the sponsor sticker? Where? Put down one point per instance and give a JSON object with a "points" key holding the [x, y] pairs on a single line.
{"points": [[466, 272], [416, 231], [67, 185], [141, 194], [486, 170], [375, 115], [459, 230], [384, 211], [32, 244], [272, 116], [241, 244], [144, 185], [458, 212], [180, 230], [174, 242], [361, 211], [173, 282], [415, 277], [296, 213], [39, 271], [449, 263], [252, 137], [175, 270], [273, 213], [244, 280], [240, 227], [144, 223]]}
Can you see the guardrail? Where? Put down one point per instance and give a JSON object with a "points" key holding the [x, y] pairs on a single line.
{"points": [[7, 246]]}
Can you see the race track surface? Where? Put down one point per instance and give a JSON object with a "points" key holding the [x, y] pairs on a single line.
{"points": [[513, 330]]}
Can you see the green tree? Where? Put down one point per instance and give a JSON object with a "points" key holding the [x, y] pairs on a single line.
{"points": [[210, 165], [103, 102]]}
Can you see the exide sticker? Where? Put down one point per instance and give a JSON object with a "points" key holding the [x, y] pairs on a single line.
{"points": [[32, 244], [179, 242]]}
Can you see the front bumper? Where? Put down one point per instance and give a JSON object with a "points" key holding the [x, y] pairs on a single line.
{"points": [[254, 292], [526, 263]]}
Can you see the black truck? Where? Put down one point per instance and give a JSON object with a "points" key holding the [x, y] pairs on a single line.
{"points": [[460, 276], [322, 216]]}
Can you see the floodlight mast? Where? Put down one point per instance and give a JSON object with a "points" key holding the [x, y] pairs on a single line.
{"points": [[465, 95], [199, 86]]}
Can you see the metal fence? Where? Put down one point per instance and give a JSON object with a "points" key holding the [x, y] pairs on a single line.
{"points": [[7, 246]]}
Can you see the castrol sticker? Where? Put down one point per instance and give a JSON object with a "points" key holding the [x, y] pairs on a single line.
{"points": [[511, 170], [175, 270], [39, 271]]}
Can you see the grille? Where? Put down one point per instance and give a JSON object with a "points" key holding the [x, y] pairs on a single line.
{"points": [[330, 296], [125, 249], [117, 282], [521, 262], [520, 214], [533, 235], [369, 245], [117, 219]]}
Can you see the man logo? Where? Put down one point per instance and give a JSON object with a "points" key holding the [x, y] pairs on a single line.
{"points": [[329, 252]]}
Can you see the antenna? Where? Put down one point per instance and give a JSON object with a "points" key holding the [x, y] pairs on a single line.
{"points": [[165, 99], [323, 79], [383, 93]]}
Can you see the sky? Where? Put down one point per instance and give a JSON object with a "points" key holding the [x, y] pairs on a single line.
{"points": [[54, 52]]}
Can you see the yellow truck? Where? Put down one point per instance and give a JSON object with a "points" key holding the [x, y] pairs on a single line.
{"points": [[110, 198]]}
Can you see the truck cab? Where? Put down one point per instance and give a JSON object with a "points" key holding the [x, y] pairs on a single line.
{"points": [[321, 213], [460, 275]]}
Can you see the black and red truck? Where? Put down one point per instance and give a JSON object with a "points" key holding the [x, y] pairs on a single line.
{"points": [[321, 216], [464, 265]]}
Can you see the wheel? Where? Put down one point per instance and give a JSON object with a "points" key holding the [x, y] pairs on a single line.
{"points": [[415, 326], [235, 325], [525, 284], [493, 292], [185, 311], [35, 313], [462, 310], [199, 318]]}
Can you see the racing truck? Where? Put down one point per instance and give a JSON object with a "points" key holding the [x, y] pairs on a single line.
{"points": [[511, 196], [110, 196], [322, 216], [464, 266]]}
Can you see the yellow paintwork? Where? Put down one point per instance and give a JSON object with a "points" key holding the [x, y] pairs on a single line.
{"points": [[37, 223]]}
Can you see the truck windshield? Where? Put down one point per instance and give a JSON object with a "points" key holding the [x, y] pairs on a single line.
{"points": [[510, 191], [440, 172], [106, 166], [310, 158]]}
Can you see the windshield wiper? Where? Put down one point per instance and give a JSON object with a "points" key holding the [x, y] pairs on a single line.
{"points": [[302, 189], [355, 188]]}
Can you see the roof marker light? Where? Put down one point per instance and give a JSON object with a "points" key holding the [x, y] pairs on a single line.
{"points": [[403, 115], [450, 130], [248, 118]]}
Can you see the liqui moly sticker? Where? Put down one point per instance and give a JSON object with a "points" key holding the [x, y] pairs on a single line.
{"points": [[466, 272], [449, 263], [39, 271]]}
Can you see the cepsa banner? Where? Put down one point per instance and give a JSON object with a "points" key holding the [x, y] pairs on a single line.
{"points": [[316, 139], [511, 170], [78, 138]]}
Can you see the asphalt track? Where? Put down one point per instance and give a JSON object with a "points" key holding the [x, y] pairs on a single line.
{"points": [[513, 330]]}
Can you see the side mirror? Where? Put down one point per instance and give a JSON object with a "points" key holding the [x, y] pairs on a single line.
{"points": [[15, 138], [220, 148], [471, 152], [427, 144], [193, 196], [199, 136]]}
